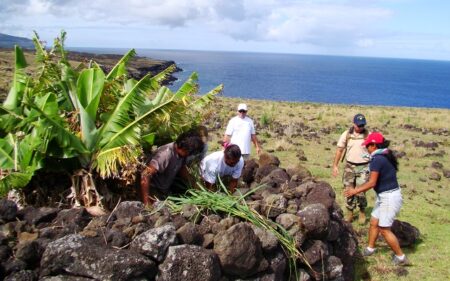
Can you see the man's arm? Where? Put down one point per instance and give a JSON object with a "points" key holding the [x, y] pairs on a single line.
{"points": [[256, 143], [226, 138], [373, 178], [232, 186], [146, 177], [184, 173], [337, 158]]}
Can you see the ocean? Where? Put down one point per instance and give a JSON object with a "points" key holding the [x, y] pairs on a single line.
{"points": [[312, 78]]}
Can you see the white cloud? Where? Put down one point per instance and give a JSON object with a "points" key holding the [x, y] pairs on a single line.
{"points": [[286, 21], [345, 26]]}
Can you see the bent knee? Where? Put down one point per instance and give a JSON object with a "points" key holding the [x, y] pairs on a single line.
{"points": [[385, 229]]}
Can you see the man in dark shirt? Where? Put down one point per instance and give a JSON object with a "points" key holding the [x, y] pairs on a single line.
{"points": [[168, 162]]}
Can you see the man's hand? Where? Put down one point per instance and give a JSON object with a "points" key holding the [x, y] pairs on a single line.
{"points": [[335, 171], [146, 175], [349, 192]]}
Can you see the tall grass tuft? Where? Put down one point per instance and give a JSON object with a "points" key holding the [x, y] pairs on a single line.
{"points": [[224, 202]]}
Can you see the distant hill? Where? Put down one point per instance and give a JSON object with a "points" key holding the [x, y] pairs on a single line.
{"points": [[8, 41]]}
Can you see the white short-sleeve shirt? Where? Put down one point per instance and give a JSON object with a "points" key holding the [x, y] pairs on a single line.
{"points": [[214, 165], [241, 131]]}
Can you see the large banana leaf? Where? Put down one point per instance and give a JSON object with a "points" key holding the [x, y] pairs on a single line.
{"points": [[119, 69], [90, 87], [20, 80], [122, 115], [6, 152], [72, 145], [206, 99], [14, 180]]}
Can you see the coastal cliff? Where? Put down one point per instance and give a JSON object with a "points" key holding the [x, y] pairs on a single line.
{"points": [[137, 68]]}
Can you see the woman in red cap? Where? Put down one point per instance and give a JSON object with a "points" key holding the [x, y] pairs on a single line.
{"points": [[383, 179]]}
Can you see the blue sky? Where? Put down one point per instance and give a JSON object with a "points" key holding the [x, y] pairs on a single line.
{"points": [[375, 28]]}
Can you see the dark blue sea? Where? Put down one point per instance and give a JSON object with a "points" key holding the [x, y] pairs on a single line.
{"points": [[313, 78]]}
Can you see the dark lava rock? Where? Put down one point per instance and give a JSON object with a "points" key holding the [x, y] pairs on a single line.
{"points": [[434, 176], [30, 252], [189, 234], [276, 178], [266, 159], [406, 233], [269, 241], [117, 238], [321, 192], [249, 171], [5, 252], [23, 275], [8, 210], [78, 256], [431, 144], [437, 165], [263, 171], [314, 251], [129, 209], [315, 219], [73, 220], [239, 250], [40, 215], [189, 263], [155, 242], [446, 173]]}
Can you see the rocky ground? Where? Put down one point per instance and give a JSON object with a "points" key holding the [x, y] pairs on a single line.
{"points": [[134, 243]]}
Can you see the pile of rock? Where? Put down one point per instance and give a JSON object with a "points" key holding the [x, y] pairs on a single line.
{"points": [[132, 243]]}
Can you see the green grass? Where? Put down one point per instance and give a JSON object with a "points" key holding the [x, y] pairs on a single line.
{"points": [[426, 205]]}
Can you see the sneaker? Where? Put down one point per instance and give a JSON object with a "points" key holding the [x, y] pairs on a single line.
{"points": [[399, 262], [368, 252]]}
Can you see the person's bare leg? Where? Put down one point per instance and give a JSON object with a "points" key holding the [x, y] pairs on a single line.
{"points": [[374, 230], [391, 240]]}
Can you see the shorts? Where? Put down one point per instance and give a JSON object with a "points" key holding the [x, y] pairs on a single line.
{"points": [[387, 207], [245, 156]]}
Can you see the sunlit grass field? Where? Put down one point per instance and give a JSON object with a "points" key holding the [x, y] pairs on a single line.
{"points": [[426, 201]]}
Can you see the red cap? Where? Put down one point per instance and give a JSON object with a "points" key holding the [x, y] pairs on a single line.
{"points": [[374, 137]]}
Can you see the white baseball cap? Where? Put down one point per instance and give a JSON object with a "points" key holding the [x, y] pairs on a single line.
{"points": [[242, 106]]}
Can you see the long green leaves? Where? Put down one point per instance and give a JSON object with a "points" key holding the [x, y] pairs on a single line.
{"points": [[98, 120], [19, 81], [236, 206]]}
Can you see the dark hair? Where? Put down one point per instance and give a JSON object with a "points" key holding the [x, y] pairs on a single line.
{"points": [[232, 151], [190, 141], [390, 155]]}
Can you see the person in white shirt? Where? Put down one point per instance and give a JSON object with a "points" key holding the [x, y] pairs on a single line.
{"points": [[240, 131], [228, 162]]}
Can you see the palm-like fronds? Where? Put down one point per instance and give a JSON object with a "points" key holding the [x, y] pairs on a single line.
{"points": [[108, 162], [119, 69]]}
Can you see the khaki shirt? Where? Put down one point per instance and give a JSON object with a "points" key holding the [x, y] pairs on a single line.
{"points": [[355, 151]]}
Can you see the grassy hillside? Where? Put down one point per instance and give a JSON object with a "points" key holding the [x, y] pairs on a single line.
{"points": [[290, 130]]}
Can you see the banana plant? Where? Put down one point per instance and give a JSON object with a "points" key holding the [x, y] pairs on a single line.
{"points": [[102, 120]]}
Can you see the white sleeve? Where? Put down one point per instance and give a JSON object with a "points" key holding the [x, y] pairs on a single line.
{"points": [[238, 169], [208, 172], [229, 130]]}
